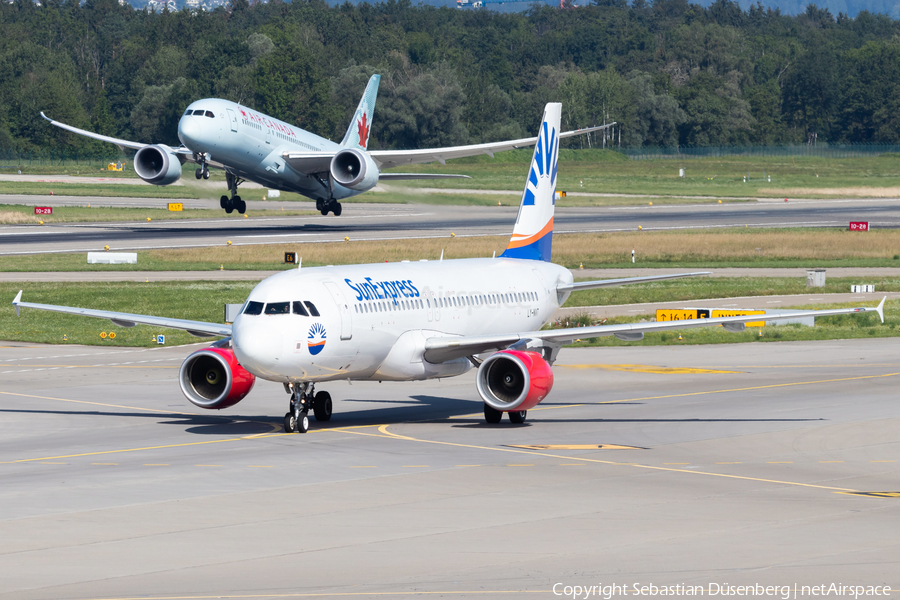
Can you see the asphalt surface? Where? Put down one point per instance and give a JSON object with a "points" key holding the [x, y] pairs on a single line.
{"points": [[386, 221], [772, 464]]}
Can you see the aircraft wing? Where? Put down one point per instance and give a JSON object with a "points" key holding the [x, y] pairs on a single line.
{"points": [[197, 328], [442, 349], [105, 138], [589, 285], [388, 159]]}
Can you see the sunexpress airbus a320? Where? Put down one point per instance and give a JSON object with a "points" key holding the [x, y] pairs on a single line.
{"points": [[411, 320], [251, 146]]}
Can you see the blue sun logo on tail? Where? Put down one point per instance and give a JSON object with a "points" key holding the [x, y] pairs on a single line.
{"points": [[316, 338]]}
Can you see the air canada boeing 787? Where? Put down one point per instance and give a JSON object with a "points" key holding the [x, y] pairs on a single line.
{"points": [[412, 320], [251, 146]]}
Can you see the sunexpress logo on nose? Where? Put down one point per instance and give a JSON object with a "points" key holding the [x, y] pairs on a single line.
{"points": [[316, 338], [383, 290]]}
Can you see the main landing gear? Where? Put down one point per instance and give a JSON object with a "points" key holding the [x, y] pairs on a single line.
{"points": [[234, 202], [302, 396], [327, 206], [493, 416]]}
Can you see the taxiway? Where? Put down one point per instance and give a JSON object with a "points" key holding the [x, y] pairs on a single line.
{"points": [[758, 463]]}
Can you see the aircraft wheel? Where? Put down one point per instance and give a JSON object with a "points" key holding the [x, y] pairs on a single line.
{"points": [[289, 423], [303, 422], [322, 406], [229, 208], [223, 201], [240, 205], [324, 212], [517, 416], [205, 173], [198, 173], [337, 209], [492, 415]]}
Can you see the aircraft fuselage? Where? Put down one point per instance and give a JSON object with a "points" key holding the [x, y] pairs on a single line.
{"points": [[374, 319]]}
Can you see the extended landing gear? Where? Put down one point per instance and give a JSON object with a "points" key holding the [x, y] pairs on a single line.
{"points": [[202, 171], [493, 416], [327, 206], [302, 397], [234, 202]]}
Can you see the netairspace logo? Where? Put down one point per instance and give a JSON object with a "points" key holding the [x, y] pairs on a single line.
{"points": [[784, 592]]}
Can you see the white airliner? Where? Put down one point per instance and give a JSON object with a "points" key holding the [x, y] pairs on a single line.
{"points": [[410, 321], [251, 146]]}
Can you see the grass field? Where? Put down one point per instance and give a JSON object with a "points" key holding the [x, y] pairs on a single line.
{"points": [[598, 172], [16, 214], [803, 248], [590, 171]]}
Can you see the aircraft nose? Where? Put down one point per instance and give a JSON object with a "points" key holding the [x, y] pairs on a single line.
{"points": [[257, 346], [189, 132]]}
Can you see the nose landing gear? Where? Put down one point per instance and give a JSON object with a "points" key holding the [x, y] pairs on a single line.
{"points": [[302, 396], [202, 171]]}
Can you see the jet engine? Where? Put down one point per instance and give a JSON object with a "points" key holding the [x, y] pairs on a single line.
{"points": [[514, 380], [157, 164], [354, 169], [213, 378]]}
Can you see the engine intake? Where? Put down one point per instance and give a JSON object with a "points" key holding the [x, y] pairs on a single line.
{"points": [[354, 169], [213, 378], [157, 164], [514, 380]]}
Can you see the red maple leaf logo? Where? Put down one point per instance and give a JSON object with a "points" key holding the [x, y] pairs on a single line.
{"points": [[363, 130]]}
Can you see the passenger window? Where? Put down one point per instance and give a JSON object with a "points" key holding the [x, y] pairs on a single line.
{"points": [[312, 308], [253, 308], [278, 308], [299, 310]]}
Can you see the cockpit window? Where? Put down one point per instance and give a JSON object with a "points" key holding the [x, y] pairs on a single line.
{"points": [[278, 308], [312, 308], [210, 115], [198, 113], [299, 310], [253, 308], [188, 112]]}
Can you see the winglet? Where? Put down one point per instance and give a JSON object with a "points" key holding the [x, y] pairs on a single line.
{"points": [[16, 302], [46, 117], [880, 309]]}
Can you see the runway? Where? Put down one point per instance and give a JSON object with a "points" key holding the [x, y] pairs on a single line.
{"points": [[760, 463], [392, 221]]}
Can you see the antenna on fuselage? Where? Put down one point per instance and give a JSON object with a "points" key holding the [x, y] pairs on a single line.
{"points": [[299, 263], [442, 254], [494, 255]]}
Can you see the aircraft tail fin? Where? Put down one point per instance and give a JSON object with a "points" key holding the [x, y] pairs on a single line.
{"points": [[357, 135], [532, 237]]}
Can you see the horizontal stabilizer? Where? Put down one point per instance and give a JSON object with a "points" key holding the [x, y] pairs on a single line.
{"points": [[403, 176], [589, 285]]}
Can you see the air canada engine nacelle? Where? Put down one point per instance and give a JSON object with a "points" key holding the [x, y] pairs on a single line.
{"points": [[213, 378], [354, 169], [513, 380], [157, 164]]}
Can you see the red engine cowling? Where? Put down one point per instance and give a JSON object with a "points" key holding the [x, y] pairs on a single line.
{"points": [[213, 378], [512, 380]]}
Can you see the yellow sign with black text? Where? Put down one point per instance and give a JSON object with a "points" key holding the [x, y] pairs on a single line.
{"points": [[176, 206], [741, 313]]}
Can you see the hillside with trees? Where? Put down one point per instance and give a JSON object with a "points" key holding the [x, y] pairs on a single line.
{"points": [[671, 73]]}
